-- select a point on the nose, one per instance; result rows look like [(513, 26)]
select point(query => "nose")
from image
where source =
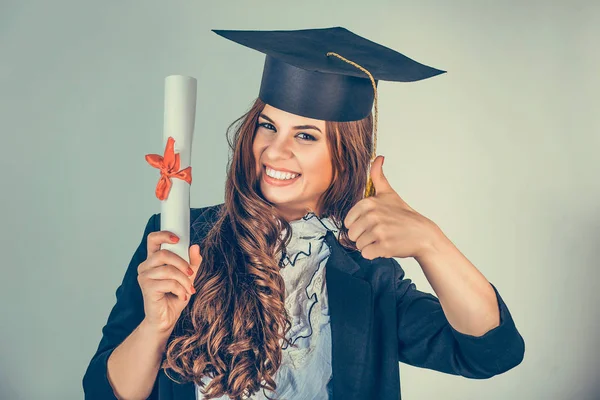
[(279, 147)]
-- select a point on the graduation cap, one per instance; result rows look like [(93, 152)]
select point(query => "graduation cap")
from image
[(328, 74)]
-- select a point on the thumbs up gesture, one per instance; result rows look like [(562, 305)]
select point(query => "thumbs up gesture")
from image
[(384, 225)]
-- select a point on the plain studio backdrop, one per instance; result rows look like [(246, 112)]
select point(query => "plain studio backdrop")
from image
[(501, 152)]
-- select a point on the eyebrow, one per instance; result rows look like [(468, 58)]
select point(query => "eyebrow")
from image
[(295, 127)]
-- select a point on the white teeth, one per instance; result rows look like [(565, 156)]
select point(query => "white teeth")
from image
[(280, 175)]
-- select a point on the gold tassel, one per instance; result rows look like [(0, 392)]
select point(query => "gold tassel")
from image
[(370, 188)]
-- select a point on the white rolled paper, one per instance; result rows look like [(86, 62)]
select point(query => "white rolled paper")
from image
[(179, 120)]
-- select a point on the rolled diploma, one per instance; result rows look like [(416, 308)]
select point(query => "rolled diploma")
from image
[(179, 119)]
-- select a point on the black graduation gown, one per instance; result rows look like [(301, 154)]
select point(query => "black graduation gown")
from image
[(378, 319)]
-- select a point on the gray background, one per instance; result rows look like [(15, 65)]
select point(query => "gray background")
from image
[(501, 152)]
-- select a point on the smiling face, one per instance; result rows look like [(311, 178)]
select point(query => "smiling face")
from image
[(291, 143)]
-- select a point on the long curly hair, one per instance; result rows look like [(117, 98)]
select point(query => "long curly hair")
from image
[(235, 325)]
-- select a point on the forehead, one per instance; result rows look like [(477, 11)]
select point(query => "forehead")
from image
[(286, 118)]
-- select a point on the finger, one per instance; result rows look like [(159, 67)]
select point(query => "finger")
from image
[(195, 260), (359, 209), (162, 257), (158, 288), (155, 239), (365, 239), (372, 251), (361, 226), (167, 272)]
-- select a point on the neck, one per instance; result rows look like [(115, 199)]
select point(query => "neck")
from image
[(294, 214)]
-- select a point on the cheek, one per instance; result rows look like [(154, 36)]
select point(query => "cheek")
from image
[(256, 146), (320, 170)]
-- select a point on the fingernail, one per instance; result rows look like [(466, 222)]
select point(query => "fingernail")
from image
[(185, 298), (190, 271), (174, 238), (193, 290)]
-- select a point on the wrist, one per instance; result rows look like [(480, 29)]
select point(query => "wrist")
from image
[(436, 241), (150, 328)]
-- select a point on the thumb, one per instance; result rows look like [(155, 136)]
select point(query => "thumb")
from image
[(379, 180), (195, 258)]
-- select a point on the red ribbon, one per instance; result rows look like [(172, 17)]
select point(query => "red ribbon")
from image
[(169, 168)]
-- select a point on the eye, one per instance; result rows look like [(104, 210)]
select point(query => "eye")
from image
[(269, 126), (312, 138), (264, 125)]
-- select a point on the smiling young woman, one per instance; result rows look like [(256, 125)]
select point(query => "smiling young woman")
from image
[(284, 301), (243, 301)]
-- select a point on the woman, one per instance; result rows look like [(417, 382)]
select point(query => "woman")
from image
[(297, 292)]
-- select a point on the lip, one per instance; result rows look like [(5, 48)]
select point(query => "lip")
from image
[(278, 182), (281, 169)]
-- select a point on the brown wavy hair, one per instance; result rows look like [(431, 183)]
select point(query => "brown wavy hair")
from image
[(235, 325)]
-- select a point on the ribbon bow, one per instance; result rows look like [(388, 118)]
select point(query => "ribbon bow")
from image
[(169, 168)]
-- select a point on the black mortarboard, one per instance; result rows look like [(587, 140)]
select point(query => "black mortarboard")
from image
[(328, 74), (299, 77)]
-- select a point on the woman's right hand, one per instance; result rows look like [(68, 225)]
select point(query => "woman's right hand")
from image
[(166, 289)]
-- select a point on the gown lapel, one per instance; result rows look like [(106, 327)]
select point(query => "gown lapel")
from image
[(185, 391), (350, 305)]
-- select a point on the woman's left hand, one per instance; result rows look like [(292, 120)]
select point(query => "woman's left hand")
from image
[(383, 225)]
